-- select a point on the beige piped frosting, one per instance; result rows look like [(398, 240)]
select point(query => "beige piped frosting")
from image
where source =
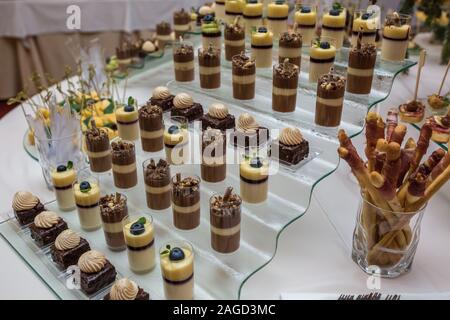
[(182, 101), (218, 111), (290, 136), (161, 92), (67, 239), (247, 123), (24, 200), (92, 261), (46, 219), (124, 289)]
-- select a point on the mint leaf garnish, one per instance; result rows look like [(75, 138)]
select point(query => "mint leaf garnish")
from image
[(142, 220), (69, 165)]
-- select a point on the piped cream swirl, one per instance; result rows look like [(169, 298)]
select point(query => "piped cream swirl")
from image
[(291, 136), (24, 200), (67, 239), (124, 289), (182, 101), (247, 123), (218, 111), (46, 219), (92, 261), (161, 92)]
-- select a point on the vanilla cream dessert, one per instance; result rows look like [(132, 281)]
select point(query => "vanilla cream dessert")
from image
[(176, 143), (177, 268), (233, 8), (322, 55), (127, 118), (366, 23), (306, 18), (253, 14), (277, 17), (254, 173), (262, 43), (87, 199), (395, 37), (219, 9), (62, 178), (333, 25), (139, 237)]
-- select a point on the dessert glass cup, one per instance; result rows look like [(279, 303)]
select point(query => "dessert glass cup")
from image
[(209, 73), (88, 206), (99, 155), (277, 24), (368, 28), (243, 81), (127, 124), (219, 9), (385, 242), (233, 46), (306, 23), (158, 192), (284, 91), (125, 175), (63, 188), (141, 248), (186, 204), (184, 70), (252, 14), (113, 228), (254, 182), (321, 64), (329, 106), (336, 32), (177, 146), (263, 55), (213, 166), (178, 276), (151, 132), (395, 38), (225, 228)]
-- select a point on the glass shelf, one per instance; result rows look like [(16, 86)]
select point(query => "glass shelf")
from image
[(222, 276)]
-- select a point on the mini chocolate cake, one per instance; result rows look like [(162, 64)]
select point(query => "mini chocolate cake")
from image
[(218, 118), (209, 67), (46, 227), (186, 202), (291, 146), (157, 179), (96, 272), (114, 213), (234, 40), (26, 207), (68, 248), (185, 107), (124, 164), (181, 21), (98, 149), (361, 63), (249, 133), (244, 77), (183, 59), (162, 97), (330, 100), (290, 46), (152, 128)]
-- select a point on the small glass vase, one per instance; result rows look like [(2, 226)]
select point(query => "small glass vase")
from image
[(385, 242)]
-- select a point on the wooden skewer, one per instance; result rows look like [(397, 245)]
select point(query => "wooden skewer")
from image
[(443, 79), (423, 55)]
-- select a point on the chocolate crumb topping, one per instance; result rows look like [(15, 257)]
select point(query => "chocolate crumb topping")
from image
[(96, 134), (188, 182), (150, 111), (366, 50), (181, 14), (184, 50), (287, 70), (112, 204), (157, 171), (222, 207), (234, 30), (331, 81), (292, 39), (122, 148), (243, 62), (210, 53)]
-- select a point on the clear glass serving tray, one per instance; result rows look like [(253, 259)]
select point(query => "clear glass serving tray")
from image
[(290, 190)]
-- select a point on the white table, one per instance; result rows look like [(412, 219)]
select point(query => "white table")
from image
[(311, 255)]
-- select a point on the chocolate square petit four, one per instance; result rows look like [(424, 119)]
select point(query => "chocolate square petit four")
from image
[(26, 207), (249, 133), (96, 271), (292, 147), (68, 248), (46, 227), (126, 289), (218, 117), (184, 106), (162, 97)]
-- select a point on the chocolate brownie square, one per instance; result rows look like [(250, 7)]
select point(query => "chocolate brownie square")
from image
[(291, 155), (27, 216), (141, 295), (192, 113), (43, 237), (66, 258), (93, 282), (222, 124), (165, 104)]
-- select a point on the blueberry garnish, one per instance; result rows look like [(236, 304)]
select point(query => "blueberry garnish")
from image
[(262, 29), (256, 162), (325, 45), (85, 186), (61, 168), (279, 1), (173, 129), (305, 10), (137, 228), (176, 254), (365, 16), (335, 12), (253, 1), (128, 108), (208, 18)]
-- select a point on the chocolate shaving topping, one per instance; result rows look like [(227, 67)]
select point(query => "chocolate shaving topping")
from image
[(221, 207), (181, 14), (122, 148), (157, 171), (287, 70), (331, 81), (210, 53), (112, 204), (96, 134), (234, 29), (149, 111), (184, 50), (291, 37), (186, 186), (366, 50), (242, 61)]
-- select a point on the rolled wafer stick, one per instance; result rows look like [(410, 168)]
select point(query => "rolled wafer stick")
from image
[(391, 123), (398, 134), (372, 134), (422, 145)]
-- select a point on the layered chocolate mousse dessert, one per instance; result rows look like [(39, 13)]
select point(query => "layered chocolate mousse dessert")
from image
[(253, 14), (114, 213), (412, 112), (124, 164), (290, 47), (152, 128), (186, 201), (123, 54), (157, 184), (176, 142), (291, 147), (322, 55), (184, 106), (225, 218), (177, 269), (162, 97), (219, 9), (46, 227), (244, 77), (26, 207), (211, 33), (214, 146), (330, 100), (62, 178), (181, 22), (361, 64), (277, 17), (234, 39), (306, 18), (209, 67), (98, 149), (126, 289), (284, 89), (333, 24), (127, 121), (139, 236), (248, 133), (395, 37), (163, 34), (218, 117), (254, 173), (262, 43), (96, 272), (366, 24), (68, 248), (87, 198), (233, 9), (183, 61)]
